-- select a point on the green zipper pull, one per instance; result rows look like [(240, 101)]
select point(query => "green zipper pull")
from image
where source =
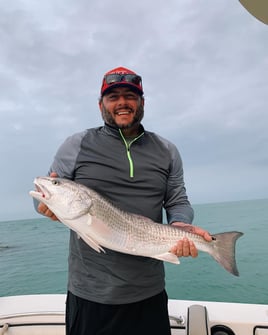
[(128, 145), (131, 166)]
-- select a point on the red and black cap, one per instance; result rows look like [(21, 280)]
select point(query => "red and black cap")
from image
[(121, 77)]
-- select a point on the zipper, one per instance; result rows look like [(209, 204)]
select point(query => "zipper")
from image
[(128, 145)]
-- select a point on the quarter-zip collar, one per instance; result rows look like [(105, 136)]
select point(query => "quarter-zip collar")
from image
[(115, 131)]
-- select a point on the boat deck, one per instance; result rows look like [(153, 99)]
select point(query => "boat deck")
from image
[(45, 314)]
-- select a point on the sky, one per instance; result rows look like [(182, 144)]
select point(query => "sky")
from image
[(204, 65)]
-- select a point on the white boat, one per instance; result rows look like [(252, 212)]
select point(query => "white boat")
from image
[(44, 314)]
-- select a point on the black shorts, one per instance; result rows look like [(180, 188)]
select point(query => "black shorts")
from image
[(149, 316)]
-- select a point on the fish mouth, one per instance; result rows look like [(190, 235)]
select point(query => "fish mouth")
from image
[(40, 192)]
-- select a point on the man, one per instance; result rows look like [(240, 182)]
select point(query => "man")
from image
[(140, 172)]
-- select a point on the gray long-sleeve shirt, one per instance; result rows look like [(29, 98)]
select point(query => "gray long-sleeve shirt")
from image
[(141, 176)]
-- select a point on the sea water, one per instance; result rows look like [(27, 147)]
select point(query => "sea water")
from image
[(34, 254)]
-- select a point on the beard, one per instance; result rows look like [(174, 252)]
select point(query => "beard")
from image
[(110, 120)]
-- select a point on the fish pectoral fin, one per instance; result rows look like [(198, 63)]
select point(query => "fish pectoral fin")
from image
[(89, 219), (92, 243), (168, 257)]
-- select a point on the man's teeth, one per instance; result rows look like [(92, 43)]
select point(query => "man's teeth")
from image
[(123, 113)]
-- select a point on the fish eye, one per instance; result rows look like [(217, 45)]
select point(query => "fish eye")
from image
[(55, 182)]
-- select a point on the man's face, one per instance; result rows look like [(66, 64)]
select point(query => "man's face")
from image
[(122, 107)]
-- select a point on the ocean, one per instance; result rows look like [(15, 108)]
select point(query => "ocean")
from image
[(34, 252)]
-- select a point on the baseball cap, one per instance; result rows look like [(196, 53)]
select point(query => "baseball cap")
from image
[(121, 77)]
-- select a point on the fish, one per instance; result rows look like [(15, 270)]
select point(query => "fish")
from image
[(105, 226)]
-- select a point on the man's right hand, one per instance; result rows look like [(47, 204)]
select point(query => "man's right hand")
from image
[(43, 209)]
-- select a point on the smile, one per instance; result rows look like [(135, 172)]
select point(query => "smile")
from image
[(124, 112)]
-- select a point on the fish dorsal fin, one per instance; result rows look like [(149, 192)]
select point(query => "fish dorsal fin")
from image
[(167, 257)]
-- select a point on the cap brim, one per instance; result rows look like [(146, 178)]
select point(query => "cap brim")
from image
[(131, 87)]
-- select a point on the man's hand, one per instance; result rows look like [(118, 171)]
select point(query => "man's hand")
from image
[(43, 209), (184, 247)]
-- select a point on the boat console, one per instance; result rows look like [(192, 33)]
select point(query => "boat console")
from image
[(217, 318)]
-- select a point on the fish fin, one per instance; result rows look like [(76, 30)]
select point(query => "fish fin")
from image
[(85, 222), (87, 238), (92, 243), (168, 257), (223, 250)]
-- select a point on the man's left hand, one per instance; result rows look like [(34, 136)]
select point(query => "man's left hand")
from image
[(186, 247)]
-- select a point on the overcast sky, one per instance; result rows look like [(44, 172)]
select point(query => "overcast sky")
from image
[(204, 65)]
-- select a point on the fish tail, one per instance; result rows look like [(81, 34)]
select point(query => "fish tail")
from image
[(223, 250)]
